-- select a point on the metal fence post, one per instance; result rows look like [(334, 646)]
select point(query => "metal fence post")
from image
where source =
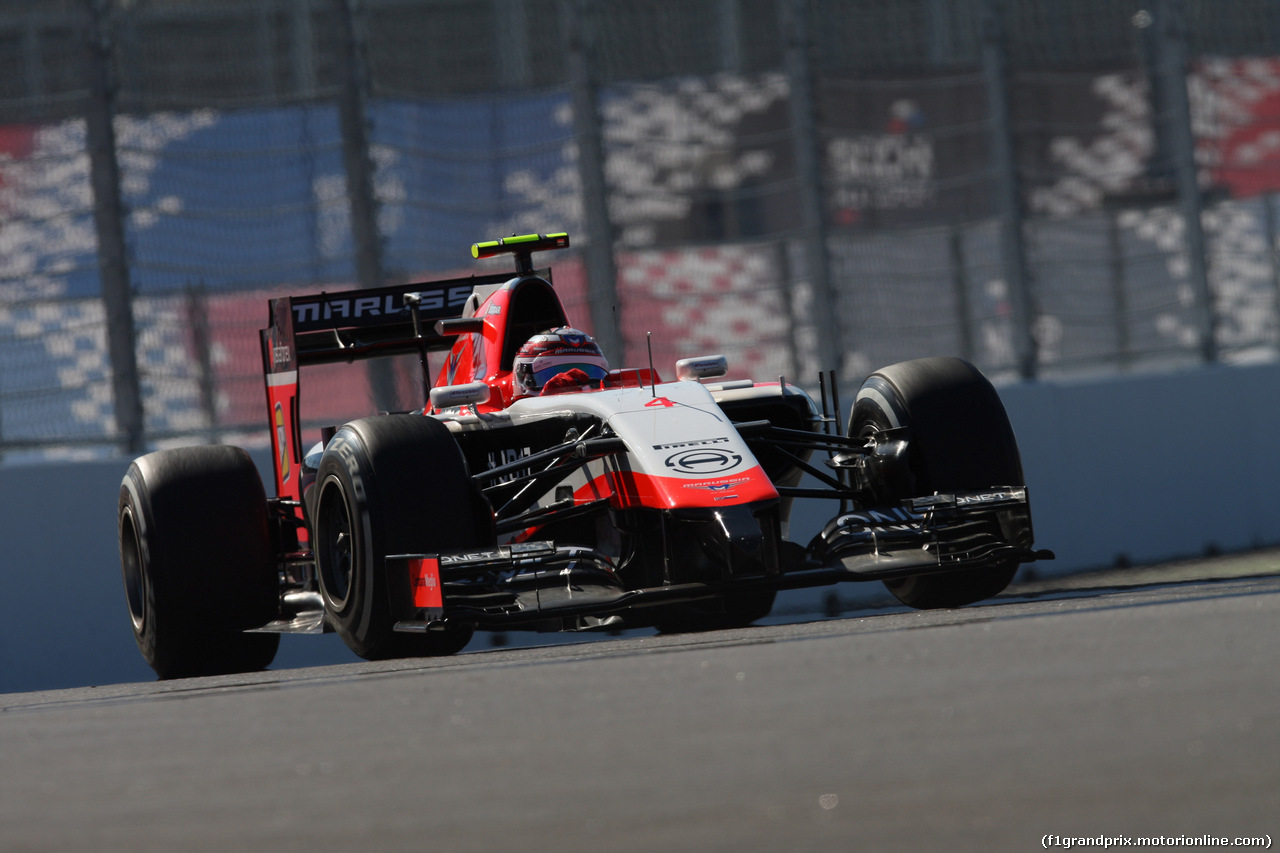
[(578, 19), (359, 168), (108, 220), (196, 301), (729, 31), (1119, 293), (1171, 38), (794, 20), (960, 286), (782, 255), (1008, 191), (301, 56), (1273, 252), (513, 60)]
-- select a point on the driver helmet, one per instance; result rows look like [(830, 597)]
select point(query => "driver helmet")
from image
[(550, 353)]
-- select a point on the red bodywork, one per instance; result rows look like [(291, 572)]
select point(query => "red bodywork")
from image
[(511, 314)]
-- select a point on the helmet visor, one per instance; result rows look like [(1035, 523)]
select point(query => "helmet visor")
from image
[(541, 373)]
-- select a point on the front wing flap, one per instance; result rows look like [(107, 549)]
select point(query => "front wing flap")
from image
[(530, 584), (500, 584), (934, 533)]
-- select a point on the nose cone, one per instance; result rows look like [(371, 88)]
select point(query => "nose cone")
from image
[(739, 540)]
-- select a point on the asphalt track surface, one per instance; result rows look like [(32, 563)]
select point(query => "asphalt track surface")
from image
[(1066, 709)]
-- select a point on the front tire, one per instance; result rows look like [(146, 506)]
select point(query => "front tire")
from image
[(394, 484), (960, 438), (197, 562)]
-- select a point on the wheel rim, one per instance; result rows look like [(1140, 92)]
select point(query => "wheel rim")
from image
[(336, 558), (135, 576)]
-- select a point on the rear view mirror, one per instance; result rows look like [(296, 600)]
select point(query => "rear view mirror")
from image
[(702, 367), (449, 396)]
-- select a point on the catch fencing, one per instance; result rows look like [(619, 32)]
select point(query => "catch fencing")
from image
[(1043, 188)]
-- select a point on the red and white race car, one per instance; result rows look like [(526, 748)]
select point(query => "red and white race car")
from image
[(539, 489)]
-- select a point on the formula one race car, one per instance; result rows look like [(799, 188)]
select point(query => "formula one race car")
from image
[(537, 489)]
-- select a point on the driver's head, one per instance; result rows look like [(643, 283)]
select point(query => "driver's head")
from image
[(553, 352)]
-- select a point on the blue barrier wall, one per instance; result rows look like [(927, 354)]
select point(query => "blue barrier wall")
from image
[(1151, 468), (1144, 468)]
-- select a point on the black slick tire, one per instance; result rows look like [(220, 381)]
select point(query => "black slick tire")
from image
[(393, 484), (960, 438), (196, 556)]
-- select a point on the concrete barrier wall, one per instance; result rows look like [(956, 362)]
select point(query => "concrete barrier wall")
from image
[(1140, 468), (1151, 468)]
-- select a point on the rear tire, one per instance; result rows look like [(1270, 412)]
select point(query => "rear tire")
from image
[(393, 484), (960, 438), (196, 556)]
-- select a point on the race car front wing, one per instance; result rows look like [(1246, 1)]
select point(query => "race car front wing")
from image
[(942, 532), (554, 587)]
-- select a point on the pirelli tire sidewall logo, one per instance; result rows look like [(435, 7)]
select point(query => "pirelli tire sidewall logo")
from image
[(343, 465), (703, 461)]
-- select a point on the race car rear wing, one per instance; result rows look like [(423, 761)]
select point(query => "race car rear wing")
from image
[(355, 324), (351, 325)]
